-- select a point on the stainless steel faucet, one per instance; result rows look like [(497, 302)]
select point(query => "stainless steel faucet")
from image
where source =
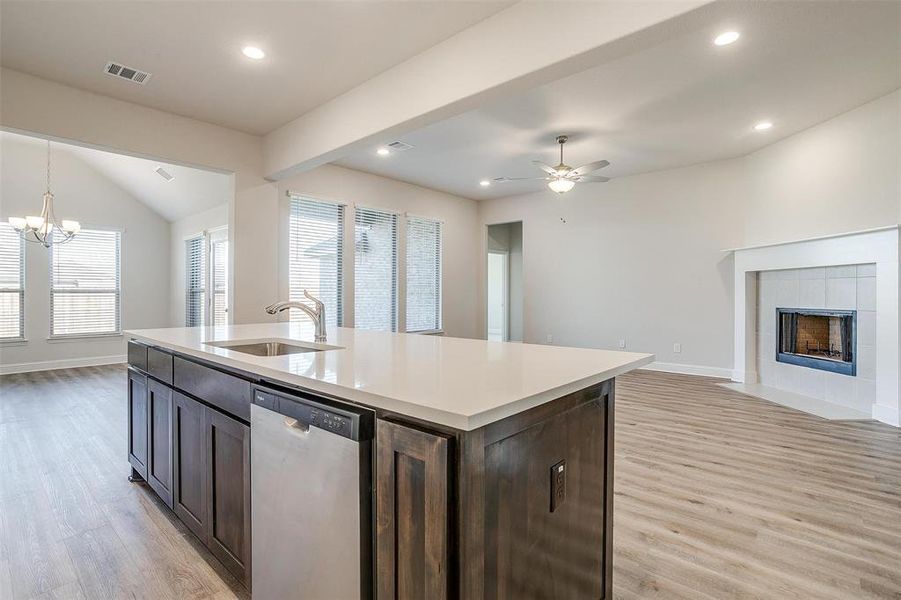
[(317, 313)]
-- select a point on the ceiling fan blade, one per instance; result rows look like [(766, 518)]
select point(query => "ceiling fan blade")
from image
[(546, 168), (592, 179), (506, 179), (590, 167)]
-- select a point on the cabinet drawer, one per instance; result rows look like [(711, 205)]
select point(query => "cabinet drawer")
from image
[(137, 355), (226, 392), (159, 364)]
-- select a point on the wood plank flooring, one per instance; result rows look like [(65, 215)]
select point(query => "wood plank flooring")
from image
[(718, 495)]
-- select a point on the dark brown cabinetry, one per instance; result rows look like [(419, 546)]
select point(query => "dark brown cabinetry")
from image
[(137, 422), (412, 535), (159, 439), (227, 446), (190, 461), (212, 480), (192, 454), (520, 508)]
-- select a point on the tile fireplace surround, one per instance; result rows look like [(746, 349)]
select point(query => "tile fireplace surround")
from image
[(855, 271)]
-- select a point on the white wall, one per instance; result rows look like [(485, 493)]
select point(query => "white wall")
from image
[(84, 195), (179, 231), (640, 258), (460, 250)]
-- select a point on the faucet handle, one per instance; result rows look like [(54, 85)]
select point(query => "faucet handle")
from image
[(319, 304)]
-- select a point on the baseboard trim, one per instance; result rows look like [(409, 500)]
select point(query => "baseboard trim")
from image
[(689, 369), (66, 363), (887, 414)]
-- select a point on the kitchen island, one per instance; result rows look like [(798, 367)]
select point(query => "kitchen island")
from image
[(486, 468)]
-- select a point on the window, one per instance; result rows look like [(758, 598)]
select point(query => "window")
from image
[(315, 261), (219, 277), (195, 280), (423, 274), (12, 284), (375, 269), (85, 287)]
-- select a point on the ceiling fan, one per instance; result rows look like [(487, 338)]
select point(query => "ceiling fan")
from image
[(562, 178)]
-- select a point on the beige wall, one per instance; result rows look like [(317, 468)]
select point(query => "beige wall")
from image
[(641, 258), (31, 104), (87, 196), (460, 242)]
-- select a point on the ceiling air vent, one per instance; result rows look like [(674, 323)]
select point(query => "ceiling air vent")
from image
[(399, 146), (164, 174), (117, 70)]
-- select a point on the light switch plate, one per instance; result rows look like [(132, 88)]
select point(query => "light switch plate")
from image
[(558, 485)]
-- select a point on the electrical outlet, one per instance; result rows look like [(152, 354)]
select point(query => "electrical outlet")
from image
[(558, 485), (550, 338), (622, 344), (677, 347)]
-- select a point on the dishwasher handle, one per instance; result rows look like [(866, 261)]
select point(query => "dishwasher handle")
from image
[(302, 412)]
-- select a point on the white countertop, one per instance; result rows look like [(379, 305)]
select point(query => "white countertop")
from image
[(456, 382)]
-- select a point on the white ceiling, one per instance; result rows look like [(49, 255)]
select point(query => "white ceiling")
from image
[(682, 102), (192, 191), (315, 50)]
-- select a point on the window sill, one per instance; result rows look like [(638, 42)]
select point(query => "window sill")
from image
[(13, 342), (78, 337), (428, 332)]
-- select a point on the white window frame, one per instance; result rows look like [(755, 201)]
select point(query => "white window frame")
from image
[(118, 291), (21, 290), (344, 298), (439, 279), (395, 266), (208, 237)]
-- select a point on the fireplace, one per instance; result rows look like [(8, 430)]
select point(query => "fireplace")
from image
[(818, 339)]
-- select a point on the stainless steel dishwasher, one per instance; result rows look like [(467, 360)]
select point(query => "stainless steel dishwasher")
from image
[(311, 505)]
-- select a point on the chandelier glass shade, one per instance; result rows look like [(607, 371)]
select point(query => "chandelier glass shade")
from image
[(45, 229)]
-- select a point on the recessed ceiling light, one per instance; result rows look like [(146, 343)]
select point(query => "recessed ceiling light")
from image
[(726, 38), (253, 52), (383, 151), (484, 183), (763, 126)]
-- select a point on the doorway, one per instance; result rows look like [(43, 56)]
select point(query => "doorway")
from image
[(503, 299), (498, 317)]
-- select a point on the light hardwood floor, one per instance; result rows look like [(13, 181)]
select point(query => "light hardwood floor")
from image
[(718, 495)]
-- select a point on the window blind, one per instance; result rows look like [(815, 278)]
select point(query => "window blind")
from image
[(423, 274), (12, 284), (195, 280), (219, 288), (85, 285), (315, 255), (375, 269)]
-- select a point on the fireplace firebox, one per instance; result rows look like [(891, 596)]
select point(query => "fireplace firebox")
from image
[(818, 339)]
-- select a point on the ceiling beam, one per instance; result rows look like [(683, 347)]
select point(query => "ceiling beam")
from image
[(526, 45)]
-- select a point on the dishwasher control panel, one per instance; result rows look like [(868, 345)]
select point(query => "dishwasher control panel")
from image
[(350, 422)]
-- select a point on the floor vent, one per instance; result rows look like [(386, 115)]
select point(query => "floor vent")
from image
[(134, 75)]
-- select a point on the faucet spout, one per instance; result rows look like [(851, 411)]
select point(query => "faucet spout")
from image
[(316, 313)]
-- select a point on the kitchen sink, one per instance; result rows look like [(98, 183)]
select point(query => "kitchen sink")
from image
[(272, 347)]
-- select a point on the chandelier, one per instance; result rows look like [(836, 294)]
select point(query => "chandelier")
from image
[(41, 229)]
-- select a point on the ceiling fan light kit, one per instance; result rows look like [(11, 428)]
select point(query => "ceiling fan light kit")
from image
[(563, 178)]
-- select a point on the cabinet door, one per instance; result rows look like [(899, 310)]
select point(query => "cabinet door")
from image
[(137, 421), (189, 481), (159, 439), (228, 488), (412, 471)]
